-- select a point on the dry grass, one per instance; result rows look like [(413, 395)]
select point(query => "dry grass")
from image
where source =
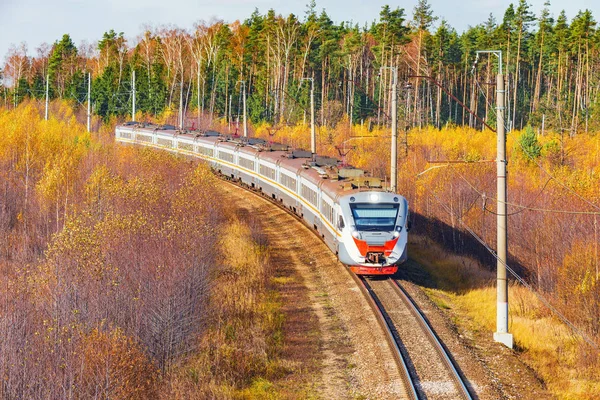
[(239, 353), (569, 367), (451, 272)]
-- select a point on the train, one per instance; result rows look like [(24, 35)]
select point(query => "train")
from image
[(365, 225)]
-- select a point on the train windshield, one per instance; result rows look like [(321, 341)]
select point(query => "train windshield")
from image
[(374, 217)]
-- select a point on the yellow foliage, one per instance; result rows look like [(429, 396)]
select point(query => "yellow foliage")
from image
[(580, 271)]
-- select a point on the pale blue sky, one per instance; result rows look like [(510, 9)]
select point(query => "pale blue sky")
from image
[(39, 21)]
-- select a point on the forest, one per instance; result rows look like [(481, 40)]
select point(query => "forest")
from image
[(56, 175), (551, 66), (121, 271)]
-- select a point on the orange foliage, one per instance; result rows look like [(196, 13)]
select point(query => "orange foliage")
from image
[(540, 238), (114, 367), (93, 234)]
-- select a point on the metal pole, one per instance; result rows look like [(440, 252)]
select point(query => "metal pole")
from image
[(181, 104), (47, 89), (198, 84), (394, 151), (133, 95), (313, 131), (89, 102), (244, 102), (501, 335)]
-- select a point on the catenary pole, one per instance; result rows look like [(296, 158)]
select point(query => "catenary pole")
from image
[(394, 149), (313, 131), (181, 104), (47, 89), (133, 95), (501, 335), (245, 117), (89, 102)]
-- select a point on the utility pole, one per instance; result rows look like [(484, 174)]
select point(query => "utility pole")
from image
[(407, 88), (133, 95), (501, 335), (244, 102), (181, 103), (313, 131), (89, 102), (198, 84), (394, 150), (47, 90)]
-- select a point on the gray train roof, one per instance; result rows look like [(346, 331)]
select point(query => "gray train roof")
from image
[(328, 173)]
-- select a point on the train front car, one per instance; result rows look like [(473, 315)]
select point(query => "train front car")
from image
[(375, 232)]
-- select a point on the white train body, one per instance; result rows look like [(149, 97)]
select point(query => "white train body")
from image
[(364, 225)]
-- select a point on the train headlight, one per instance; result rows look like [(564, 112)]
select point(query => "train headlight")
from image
[(374, 197), (397, 231), (354, 232)]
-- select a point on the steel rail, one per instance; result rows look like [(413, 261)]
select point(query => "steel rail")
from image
[(378, 310), (366, 291), (434, 340), (361, 283)]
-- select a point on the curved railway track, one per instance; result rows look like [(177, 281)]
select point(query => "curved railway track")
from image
[(417, 357), (427, 364), (388, 328), (438, 379)]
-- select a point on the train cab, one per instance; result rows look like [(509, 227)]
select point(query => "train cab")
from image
[(375, 233)]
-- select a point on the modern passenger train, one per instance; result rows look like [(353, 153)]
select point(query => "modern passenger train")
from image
[(365, 225)]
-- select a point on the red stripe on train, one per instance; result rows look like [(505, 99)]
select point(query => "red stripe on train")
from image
[(361, 270), (364, 248)]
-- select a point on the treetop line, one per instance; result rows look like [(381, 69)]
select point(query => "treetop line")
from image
[(551, 68)]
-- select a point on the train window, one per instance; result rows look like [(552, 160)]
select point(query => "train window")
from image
[(186, 146), (249, 164), (309, 194), (287, 181), (164, 142), (205, 151), (267, 171), (225, 156), (143, 138), (374, 217), (341, 224), (327, 211)]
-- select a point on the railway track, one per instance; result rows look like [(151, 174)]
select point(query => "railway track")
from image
[(392, 340), (423, 377), (428, 381), (428, 369)]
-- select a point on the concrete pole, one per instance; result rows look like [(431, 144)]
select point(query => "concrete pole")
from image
[(133, 95), (394, 150), (198, 84), (244, 102), (181, 104), (501, 335), (89, 102), (47, 89), (313, 131)]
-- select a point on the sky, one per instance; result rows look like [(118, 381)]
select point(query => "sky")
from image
[(45, 21)]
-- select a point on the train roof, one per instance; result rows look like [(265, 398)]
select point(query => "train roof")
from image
[(328, 173)]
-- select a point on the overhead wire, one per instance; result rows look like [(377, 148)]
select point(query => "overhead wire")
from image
[(527, 153), (521, 280), (521, 206), (528, 207)]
